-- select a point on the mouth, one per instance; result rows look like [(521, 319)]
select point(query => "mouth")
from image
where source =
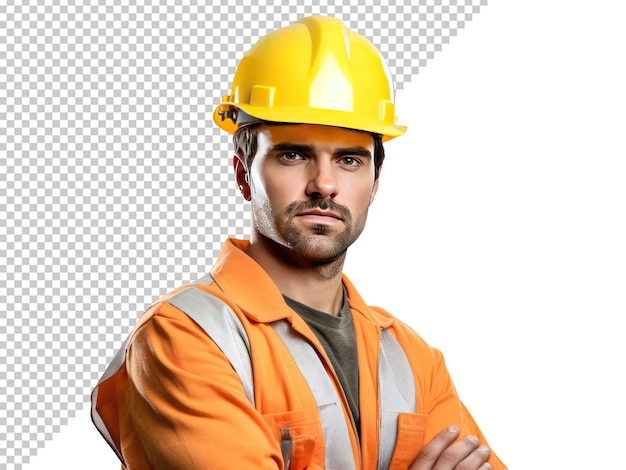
[(320, 216)]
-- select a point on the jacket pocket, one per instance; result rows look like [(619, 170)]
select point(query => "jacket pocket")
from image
[(300, 436), (411, 428)]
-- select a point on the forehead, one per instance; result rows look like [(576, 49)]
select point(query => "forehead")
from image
[(315, 135)]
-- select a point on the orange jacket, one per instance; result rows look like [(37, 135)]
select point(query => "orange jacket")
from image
[(172, 400)]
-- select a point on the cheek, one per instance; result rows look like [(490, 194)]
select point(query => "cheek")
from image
[(362, 193), (281, 189), (267, 199)]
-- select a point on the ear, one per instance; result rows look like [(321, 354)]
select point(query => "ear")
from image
[(241, 174)]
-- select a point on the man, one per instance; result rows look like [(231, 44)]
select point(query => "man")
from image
[(273, 360)]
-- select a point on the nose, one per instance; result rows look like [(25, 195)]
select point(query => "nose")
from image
[(322, 180)]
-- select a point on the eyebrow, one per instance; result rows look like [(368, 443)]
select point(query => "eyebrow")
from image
[(285, 146)]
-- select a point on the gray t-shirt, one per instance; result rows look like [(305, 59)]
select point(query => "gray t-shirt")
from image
[(339, 341)]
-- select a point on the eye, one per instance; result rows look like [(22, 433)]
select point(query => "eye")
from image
[(290, 156), (350, 162)]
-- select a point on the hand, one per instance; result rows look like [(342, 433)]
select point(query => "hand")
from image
[(443, 454)]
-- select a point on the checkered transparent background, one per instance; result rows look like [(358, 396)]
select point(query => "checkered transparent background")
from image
[(115, 186)]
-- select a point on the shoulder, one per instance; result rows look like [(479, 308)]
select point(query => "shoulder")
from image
[(190, 328), (184, 309)]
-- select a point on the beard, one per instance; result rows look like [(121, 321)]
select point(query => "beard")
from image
[(312, 244)]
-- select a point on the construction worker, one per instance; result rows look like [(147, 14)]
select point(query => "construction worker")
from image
[(273, 360)]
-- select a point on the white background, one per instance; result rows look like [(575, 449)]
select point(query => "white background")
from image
[(498, 233)]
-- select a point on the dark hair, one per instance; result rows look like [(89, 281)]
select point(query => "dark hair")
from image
[(245, 142)]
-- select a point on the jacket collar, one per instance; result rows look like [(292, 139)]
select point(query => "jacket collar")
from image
[(357, 304), (246, 283)]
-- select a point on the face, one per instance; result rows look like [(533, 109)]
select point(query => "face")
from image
[(310, 188)]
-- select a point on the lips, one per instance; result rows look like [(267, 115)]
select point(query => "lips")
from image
[(321, 213)]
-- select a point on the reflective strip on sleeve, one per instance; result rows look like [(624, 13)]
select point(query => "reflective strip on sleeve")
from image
[(224, 327), (114, 367), (217, 320), (336, 435)]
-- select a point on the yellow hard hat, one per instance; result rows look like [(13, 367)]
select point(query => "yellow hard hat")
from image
[(315, 71)]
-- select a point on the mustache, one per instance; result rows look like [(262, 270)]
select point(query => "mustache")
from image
[(322, 204)]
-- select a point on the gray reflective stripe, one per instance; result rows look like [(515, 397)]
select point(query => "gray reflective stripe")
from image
[(396, 393), (219, 321), (336, 434), (206, 280), (115, 365)]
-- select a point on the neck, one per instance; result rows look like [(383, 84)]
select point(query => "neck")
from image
[(312, 283)]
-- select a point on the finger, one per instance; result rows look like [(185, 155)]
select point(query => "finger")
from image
[(466, 454), (431, 452), (477, 459)]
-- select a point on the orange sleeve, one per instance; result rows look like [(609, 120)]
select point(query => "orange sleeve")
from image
[(446, 408), (437, 398), (184, 406)]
